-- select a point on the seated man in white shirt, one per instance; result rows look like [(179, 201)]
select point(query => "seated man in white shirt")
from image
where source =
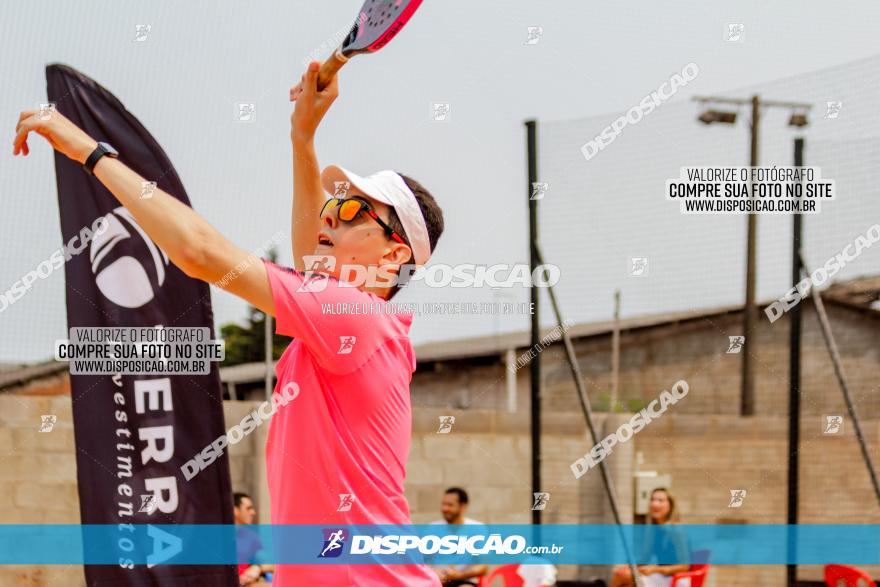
[(453, 508)]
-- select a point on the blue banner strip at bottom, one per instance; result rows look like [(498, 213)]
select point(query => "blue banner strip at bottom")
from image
[(764, 544)]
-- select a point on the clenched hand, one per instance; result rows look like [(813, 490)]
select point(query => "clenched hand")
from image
[(311, 105)]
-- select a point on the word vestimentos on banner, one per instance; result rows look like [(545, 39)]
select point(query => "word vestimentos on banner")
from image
[(248, 424), (55, 261), (629, 429), (822, 274), (635, 114)]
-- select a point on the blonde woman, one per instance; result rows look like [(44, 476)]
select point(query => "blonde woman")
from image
[(662, 545)]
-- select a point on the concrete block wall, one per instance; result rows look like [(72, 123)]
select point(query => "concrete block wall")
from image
[(37, 480), (38, 475), (488, 453), (707, 456), (652, 359), (37, 469)]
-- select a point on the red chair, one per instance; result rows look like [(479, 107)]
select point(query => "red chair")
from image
[(843, 576), (696, 574), (507, 572)]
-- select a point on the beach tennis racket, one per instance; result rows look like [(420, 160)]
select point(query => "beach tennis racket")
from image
[(377, 23)]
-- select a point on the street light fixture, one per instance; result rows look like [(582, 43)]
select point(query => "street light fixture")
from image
[(798, 119), (721, 116)]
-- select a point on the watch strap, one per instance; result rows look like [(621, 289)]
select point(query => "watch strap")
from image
[(93, 159)]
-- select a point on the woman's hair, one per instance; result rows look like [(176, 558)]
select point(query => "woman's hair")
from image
[(671, 514)]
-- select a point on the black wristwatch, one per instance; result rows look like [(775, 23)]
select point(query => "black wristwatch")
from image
[(101, 150)]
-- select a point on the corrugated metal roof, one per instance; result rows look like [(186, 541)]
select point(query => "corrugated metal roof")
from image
[(29, 373), (857, 294), (492, 345)]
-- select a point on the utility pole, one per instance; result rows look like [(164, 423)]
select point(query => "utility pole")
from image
[(747, 397), (750, 311)]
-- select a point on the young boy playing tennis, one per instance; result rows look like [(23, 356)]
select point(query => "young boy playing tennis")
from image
[(337, 455)]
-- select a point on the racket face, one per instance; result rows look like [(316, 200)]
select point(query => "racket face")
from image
[(377, 23)]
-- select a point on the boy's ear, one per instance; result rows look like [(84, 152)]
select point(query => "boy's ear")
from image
[(398, 254)]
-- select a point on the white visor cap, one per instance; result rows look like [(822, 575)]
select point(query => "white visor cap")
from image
[(389, 188)]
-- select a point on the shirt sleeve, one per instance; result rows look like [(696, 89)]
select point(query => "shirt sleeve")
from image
[(339, 324)]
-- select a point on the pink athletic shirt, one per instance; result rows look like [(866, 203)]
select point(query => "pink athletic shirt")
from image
[(348, 431)]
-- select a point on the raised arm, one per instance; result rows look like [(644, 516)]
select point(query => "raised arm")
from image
[(308, 194), (191, 243)]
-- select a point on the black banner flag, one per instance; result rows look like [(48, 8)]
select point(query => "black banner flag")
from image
[(134, 432)]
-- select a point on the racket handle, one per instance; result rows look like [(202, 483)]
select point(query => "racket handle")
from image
[(329, 68)]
